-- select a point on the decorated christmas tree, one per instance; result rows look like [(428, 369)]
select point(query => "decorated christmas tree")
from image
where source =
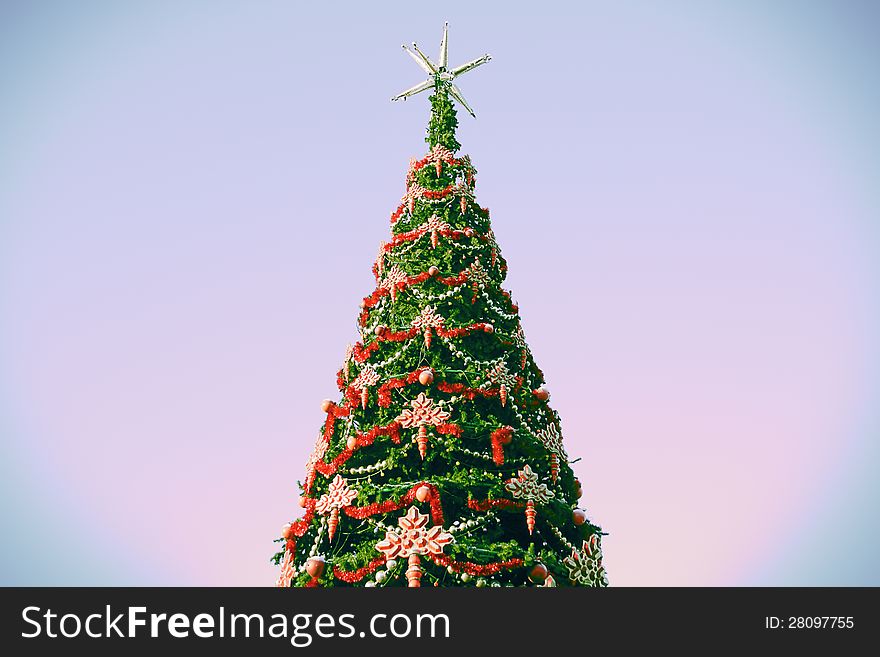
[(442, 463)]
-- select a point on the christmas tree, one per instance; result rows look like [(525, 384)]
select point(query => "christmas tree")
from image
[(442, 463)]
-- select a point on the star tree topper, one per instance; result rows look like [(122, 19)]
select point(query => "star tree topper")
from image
[(439, 74)]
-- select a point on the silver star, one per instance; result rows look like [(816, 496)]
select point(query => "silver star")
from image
[(438, 74)]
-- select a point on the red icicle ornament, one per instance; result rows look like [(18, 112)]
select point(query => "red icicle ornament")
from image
[(423, 441), (413, 572), (531, 514)]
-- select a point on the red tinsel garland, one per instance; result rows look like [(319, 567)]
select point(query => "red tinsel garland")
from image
[(463, 330), (361, 512), (360, 573), (362, 440), (299, 527), (463, 390), (384, 392), (476, 568), (485, 505), (370, 301), (449, 429), (499, 438), (416, 233)]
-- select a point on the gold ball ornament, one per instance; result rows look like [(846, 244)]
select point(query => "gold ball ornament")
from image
[(379, 330), (433, 271), (287, 531), (303, 501), (426, 377), (326, 405), (489, 329), (352, 442), (541, 393), (423, 493), (578, 517)]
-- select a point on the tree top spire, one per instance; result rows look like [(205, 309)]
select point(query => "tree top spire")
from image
[(441, 79)]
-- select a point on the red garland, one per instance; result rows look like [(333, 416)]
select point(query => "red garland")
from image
[(485, 505), (362, 353), (396, 214), (362, 440), (340, 381), (470, 393), (299, 527), (500, 437), (399, 336), (416, 233), (384, 391), (438, 194), (360, 573), (463, 330), (449, 429), (361, 512), (476, 568), (428, 158), (378, 293)]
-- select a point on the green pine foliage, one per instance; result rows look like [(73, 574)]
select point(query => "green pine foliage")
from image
[(441, 127), (460, 467)]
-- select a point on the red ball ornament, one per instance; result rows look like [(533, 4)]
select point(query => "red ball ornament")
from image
[(326, 405), (352, 442), (541, 393), (538, 574), (433, 271), (426, 377), (580, 493), (489, 328), (423, 493), (469, 231), (287, 531), (379, 330), (578, 517), (315, 566)]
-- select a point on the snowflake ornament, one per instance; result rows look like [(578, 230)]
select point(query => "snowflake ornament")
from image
[(519, 341), (394, 276), (500, 376), (422, 414), (438, 155), (414, 191), (367, 377), (552, 441), (349, 356), (526, 486), (585, 565), (288, 571), (478, 278), (315, 457), (338, 496), (426, 320), (380, 258), (413, 540), (434, 225)]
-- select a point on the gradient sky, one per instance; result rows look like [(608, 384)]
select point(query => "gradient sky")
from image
[(192, 194)]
